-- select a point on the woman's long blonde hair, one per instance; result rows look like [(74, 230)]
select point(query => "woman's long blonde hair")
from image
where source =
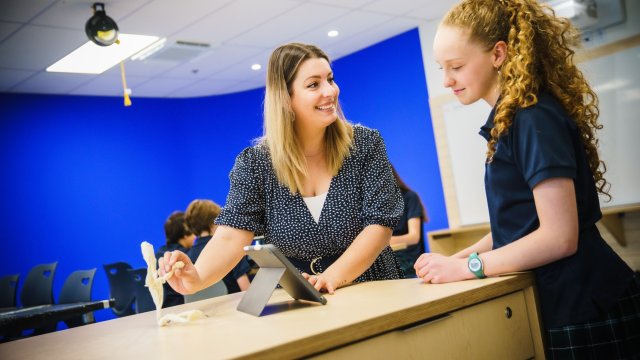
[(279, 136), (539, 57)]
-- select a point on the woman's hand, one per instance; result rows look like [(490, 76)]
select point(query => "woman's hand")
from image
[(185, 280), (324, 282), (436, 269)]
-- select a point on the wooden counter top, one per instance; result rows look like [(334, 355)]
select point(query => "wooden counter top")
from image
[(351, 314)]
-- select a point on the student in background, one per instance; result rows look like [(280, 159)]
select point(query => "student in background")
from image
[(409, 229), (318, 188), (178, 237), (543, 175), (199, 217)]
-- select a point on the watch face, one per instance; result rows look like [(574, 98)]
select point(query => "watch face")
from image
[(474, 264)]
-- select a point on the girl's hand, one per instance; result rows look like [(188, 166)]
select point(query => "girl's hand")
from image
[(435, 268)]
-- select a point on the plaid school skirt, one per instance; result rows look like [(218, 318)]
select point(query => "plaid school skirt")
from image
[(615, 336)]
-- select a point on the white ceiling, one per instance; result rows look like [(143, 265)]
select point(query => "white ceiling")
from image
[(36, 33)]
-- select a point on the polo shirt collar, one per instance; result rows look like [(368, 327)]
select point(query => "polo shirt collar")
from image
[(485, 130)]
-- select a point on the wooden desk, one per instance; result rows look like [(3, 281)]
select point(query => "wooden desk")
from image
[(472, 324), (450, 241), (612, 220)]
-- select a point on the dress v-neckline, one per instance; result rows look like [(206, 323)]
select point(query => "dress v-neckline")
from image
[(324, 204)]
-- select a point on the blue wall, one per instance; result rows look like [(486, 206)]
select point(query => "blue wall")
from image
[(84, 180), (384, 87)]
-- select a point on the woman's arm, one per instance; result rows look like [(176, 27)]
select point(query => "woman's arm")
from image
[(555, 238), (218, 257), (412, 237), (358, 257)]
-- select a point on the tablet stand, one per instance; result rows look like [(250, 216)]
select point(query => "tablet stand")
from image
[(260, 290)]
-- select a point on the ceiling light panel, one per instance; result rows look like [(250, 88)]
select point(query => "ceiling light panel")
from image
[(93, 59)]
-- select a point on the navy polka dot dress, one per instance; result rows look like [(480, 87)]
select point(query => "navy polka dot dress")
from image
[(364, 192)]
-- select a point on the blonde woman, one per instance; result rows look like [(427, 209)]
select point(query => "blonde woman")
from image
[(318, 188), (543, 175)]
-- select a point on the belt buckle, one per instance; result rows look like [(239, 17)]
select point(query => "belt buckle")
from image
[(311, 266)]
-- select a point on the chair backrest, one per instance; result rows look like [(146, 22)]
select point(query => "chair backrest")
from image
[(38, 286), (121, 287), (217, 289), (77, 288), (144, 301), (8, 287)]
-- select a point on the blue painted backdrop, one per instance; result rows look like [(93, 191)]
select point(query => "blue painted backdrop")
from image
[(84, 180)]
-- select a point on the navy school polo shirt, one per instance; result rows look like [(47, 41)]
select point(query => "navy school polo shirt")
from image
[(544, 143), (412, 209)]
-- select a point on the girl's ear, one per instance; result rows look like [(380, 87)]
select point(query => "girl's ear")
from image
[(499, 54)]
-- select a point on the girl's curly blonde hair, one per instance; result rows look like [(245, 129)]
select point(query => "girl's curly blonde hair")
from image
[(539, 57)]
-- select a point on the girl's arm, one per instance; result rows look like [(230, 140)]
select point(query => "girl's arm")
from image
[(555, 238)]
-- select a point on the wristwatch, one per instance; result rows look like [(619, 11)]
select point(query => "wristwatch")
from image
[(475, 265)]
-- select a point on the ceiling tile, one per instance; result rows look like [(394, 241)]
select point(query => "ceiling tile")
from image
[(226, 24), (159, 87), (242, 70), (22, 10), (107, 85), (52, 83), (433, 11), (374, 35), (289, 25), (7, 29), (351, 24), (396, 7), (74, 14), (352, 4), (37, 47), (216, 61), (204, 87), (145, 68), (243, 86), (146, 20), (11, 77)]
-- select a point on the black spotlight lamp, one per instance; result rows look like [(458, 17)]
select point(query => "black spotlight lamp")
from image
[(100, 28)]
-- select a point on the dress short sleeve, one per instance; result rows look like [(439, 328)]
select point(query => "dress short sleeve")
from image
[(245, 205), (542, 145), (382, 200)]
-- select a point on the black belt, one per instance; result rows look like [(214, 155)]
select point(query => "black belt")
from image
[(315, 266)]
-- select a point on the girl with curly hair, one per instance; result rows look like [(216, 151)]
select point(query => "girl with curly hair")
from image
[(542, 175)]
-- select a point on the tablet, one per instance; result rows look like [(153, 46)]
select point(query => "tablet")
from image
[(268, 256)]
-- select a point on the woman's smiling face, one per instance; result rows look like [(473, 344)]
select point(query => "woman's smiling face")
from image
[(314, 94)]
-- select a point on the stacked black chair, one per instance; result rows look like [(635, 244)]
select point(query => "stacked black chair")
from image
[(38, 286), (121, 288), (143, 301), (38, 290), (8, 291), (77, 288)]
